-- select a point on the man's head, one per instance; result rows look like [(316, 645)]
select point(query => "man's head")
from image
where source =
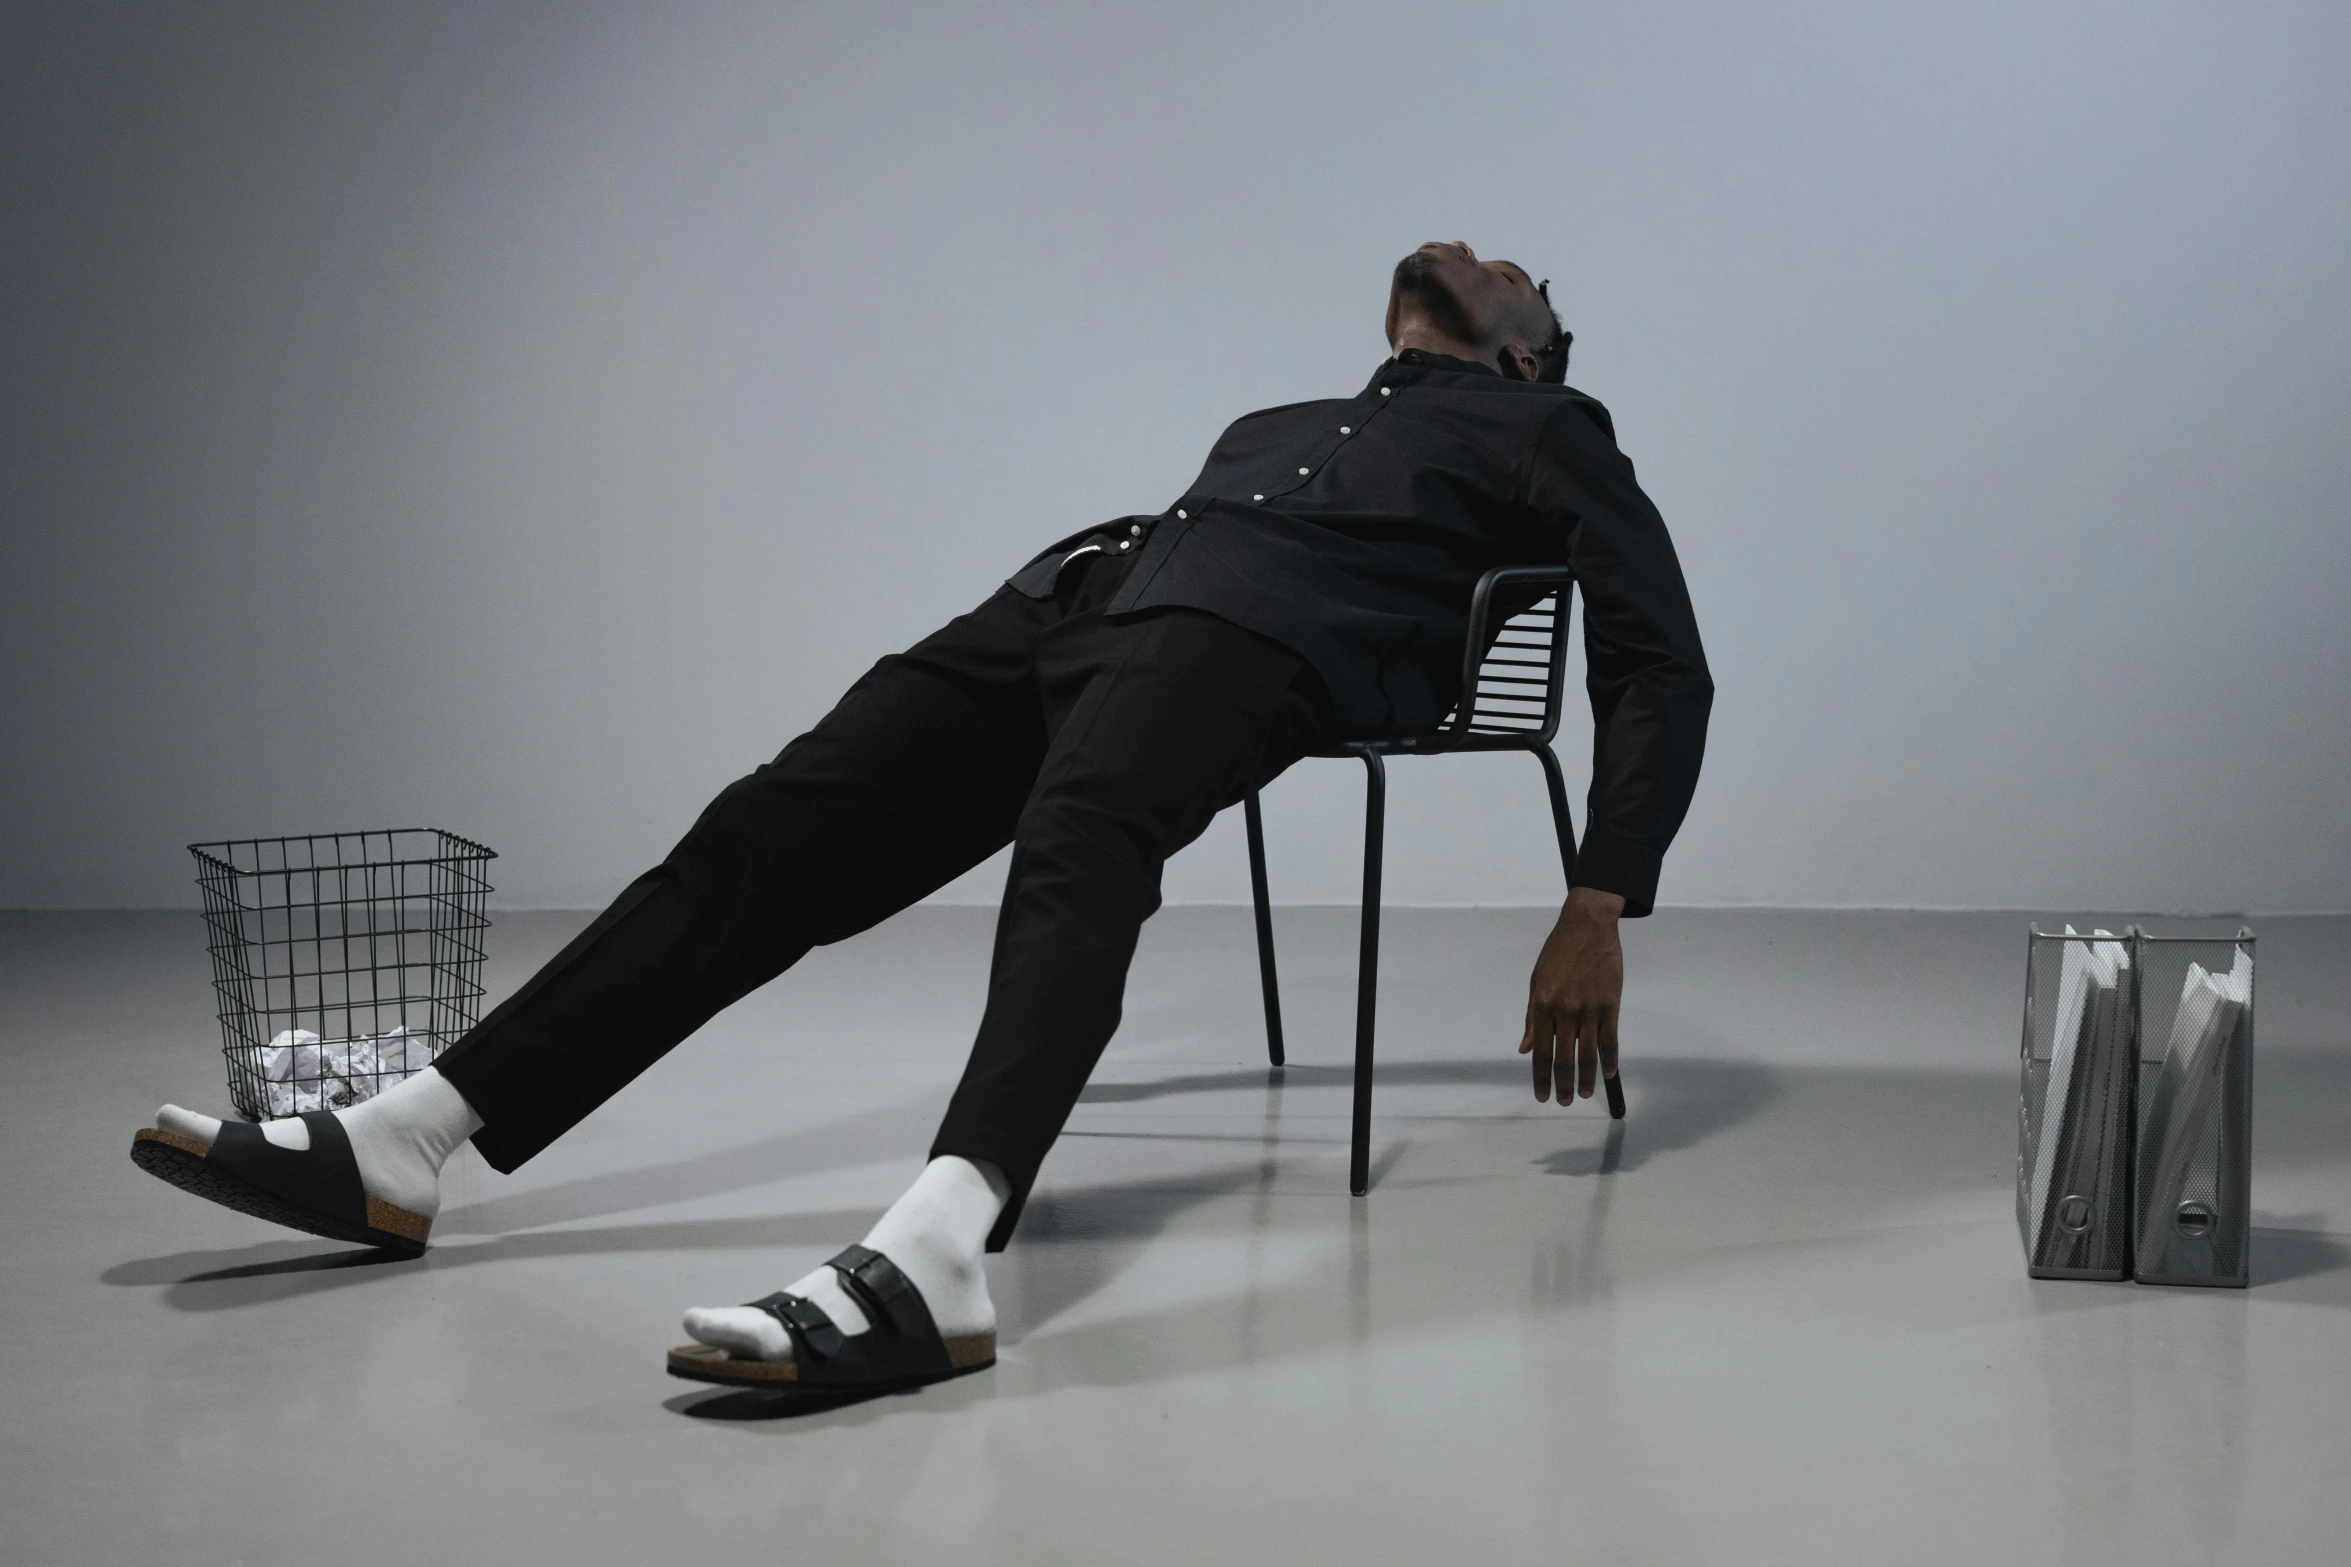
[(1446, 301)]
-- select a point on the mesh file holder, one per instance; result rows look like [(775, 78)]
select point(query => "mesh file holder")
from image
[(2192, 1177), (2074, 1105), (342, 962)]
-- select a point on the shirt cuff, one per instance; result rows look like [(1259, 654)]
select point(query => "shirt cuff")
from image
[(1608, 864)]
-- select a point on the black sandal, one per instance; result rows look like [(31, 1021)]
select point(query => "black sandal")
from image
[(902, 1349), (315, 1189)]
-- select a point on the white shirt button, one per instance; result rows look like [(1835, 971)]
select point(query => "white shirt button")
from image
[(1303, 471), (1257, 497), (1136, 529), (1383, 391), (1343, 430), (1182, 516), (1126, 544)]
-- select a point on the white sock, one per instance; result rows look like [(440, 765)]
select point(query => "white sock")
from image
[(400, 1138), (937, 1235)]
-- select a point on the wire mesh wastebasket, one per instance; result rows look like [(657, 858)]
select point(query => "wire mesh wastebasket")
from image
[(343, 962), (2193, 1182), (2074, 1104)]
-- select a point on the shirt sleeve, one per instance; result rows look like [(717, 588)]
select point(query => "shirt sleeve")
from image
[(1644, 668)]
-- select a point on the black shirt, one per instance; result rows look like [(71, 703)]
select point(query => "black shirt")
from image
[(1353, 530)]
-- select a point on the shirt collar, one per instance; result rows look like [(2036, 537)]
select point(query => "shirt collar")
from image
[(1423, 359)]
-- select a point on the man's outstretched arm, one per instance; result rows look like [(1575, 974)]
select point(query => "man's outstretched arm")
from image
[(1645, 672)]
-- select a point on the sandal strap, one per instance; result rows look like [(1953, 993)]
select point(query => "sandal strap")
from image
[(887, 1294), (912, 1346), (323, 1178), (816, 1339)]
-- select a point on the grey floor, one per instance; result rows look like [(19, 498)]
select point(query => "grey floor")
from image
[(1780, 1317)]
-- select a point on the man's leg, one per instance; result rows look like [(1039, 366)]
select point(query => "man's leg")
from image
[(1157, 724), (918, 774), (913, 778)]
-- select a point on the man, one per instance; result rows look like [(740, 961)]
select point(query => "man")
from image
[(1095, 713)]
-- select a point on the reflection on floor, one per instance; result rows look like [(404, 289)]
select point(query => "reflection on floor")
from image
[(1777, 1315)]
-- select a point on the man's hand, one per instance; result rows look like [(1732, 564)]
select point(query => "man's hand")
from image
[(1573, 998)]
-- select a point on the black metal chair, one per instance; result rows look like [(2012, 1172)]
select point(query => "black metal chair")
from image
[(1513, 684)]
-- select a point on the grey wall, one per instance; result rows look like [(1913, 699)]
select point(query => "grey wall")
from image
[(524, 419)]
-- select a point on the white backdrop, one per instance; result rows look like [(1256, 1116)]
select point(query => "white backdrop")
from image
[(524, 419)]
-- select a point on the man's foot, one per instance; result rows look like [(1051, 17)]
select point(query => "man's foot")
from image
[(901, 1348), (399, 1140), (935, 1236)]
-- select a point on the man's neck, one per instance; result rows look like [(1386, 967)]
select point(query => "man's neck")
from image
[(1429, 340)]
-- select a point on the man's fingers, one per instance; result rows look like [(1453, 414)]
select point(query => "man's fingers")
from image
[(1563, 1070), (1563, 1061), (1573, 1048)]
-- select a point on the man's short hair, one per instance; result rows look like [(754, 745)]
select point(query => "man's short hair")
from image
[(1551, 355)]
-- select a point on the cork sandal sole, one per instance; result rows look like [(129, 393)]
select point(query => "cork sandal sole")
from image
[(704, 1363), (189, 1165)]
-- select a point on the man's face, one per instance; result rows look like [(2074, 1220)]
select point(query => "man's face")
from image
[(1487, 303)]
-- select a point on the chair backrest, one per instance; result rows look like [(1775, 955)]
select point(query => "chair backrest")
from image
[(1514, 674)]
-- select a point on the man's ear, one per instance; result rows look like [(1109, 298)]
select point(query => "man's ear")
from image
[(1517, 364)]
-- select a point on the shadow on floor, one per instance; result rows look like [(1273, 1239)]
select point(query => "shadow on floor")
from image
[(1301, 1075), (743, 1403), (1676, 1105), (1095, 1233), (856, 1139), (1671, 1104), (860, 1139), (2285, 1256), (756, 1410), (206, 1281), (247, 1262)]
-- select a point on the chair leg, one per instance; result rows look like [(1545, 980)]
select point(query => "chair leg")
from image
[(1560, 821), (1367, 971), (1265, 970)]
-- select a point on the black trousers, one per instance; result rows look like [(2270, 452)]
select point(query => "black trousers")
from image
[(1097, 748)]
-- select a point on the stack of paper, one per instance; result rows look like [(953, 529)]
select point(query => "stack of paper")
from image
[(300, 1072), (2080, 1131), (2179, 1110)]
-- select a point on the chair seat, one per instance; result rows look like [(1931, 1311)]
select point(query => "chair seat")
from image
[(1438, 744)]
